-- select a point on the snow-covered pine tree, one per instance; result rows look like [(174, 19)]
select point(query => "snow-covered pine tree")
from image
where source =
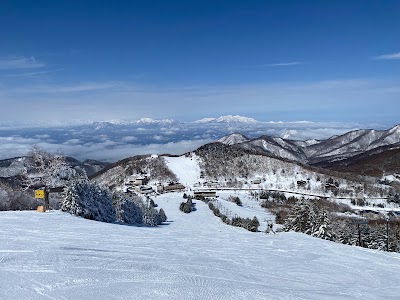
[(150, 216), (301, 217), (88, 200), (344, 232), (253, 225), (129, 209), (323, 228), (377, 238), (162, 215)]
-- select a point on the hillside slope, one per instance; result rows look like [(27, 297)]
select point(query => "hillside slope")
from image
[(194, 256), (370, 163), (235, 167)]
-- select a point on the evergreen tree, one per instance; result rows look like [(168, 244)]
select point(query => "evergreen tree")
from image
[(323, 227), (128, 209), (253, 225), (88, 200), (301, 217), (377, 238), (345, 232), (186, 207), (150, 217), (163, 216)]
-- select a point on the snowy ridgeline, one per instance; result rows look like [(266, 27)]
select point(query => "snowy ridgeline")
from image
[(316, 151), (196, 256)]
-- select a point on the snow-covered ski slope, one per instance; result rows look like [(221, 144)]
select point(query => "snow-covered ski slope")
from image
[(186, 168), (194, 256), (250, 208)]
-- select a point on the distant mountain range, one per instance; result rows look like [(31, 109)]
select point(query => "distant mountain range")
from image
[(116, 139), (336, 152)]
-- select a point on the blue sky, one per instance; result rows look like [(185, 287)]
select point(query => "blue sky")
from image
[(67, 61)]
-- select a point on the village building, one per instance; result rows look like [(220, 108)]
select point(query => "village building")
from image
[(145, 190), (205, 194), (137, 180), (173, 187), (256, 181)]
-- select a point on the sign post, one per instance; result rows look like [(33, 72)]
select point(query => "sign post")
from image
[(43, 194), (39, 194)]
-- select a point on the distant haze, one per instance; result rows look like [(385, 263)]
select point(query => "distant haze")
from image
[(110, 141)]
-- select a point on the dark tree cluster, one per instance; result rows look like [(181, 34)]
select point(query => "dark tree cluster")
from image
[(394, 198), (310, 217), (247, 223), (236, 200), (270, 195), (89, 200), (307, 218), (235, 161), (188, 206)]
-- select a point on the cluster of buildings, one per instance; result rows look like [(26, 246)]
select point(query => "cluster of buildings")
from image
[(139, 184)]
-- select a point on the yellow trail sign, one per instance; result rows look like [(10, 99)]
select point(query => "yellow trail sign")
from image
[(39, 194)]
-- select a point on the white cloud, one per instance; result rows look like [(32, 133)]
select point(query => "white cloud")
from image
[(91, 86), (76, 88), (20, 63), (112, 146), (105, 151), (129, 138), (73, 142), (158, 137), (28, 74), (169, 132), (42, 136), (389, 56), (286, 64)]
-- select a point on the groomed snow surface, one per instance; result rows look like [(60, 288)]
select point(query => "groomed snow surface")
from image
[(186, 168), (55, 255)]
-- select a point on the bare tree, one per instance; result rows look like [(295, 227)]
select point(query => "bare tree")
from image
[(50, 169)]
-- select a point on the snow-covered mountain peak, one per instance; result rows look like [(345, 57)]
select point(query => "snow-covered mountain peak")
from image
[(234, 138), (205, 120), (287, 134), (228, 119), (235, 119), (143, 121), (103, 125), (154, 121), (395, 129), (115, 122)]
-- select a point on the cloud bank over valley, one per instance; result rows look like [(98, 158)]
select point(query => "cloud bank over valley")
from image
[(114, 140)]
